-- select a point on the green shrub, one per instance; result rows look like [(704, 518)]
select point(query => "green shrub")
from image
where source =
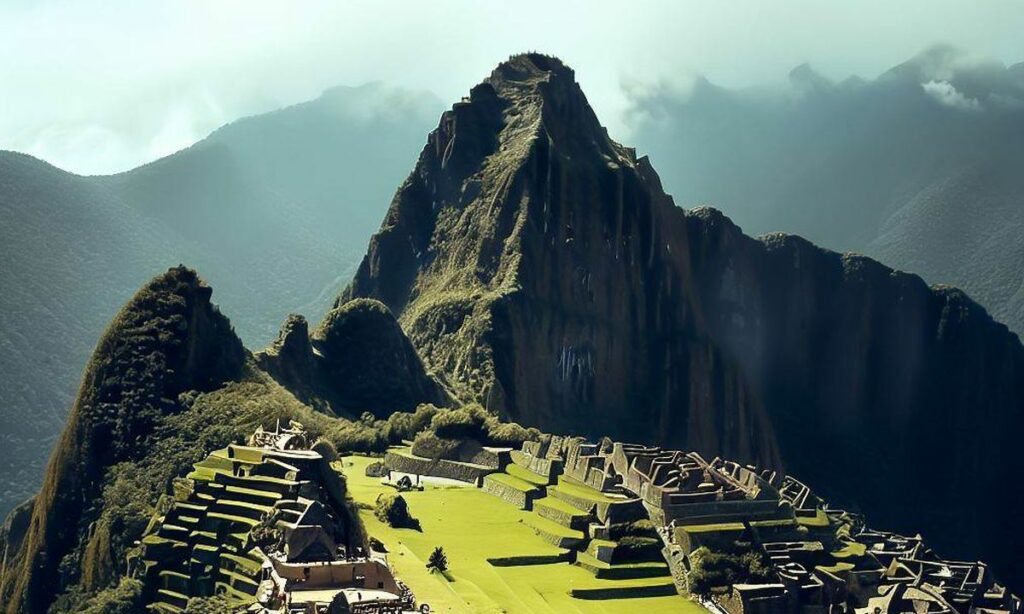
[(637, 548), (710, 569), (641, 528), (507, 434), (394, 511), (438, 560), (217, 604), (356, 437), (326, 449), (404, 425), (459, 424), (123, 598), (429, 445)]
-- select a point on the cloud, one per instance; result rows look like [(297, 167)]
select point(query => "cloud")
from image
[(947, 95), (153, 75)]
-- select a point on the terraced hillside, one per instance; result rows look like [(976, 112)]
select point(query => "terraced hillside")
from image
[(607, 535), (207, 542)]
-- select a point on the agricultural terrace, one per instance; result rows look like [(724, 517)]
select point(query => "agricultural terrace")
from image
[(473, 527)]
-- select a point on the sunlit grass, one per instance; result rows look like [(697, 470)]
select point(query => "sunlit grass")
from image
[(473, 526)]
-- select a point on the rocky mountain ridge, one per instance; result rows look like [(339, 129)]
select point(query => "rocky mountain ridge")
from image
[(542, 270), (917, 167)]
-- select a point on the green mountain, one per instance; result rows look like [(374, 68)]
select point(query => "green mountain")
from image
[(168, 383), (275, 209), (918, 167)]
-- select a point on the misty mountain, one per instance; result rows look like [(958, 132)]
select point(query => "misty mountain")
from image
[(919, 167), (275, 208)]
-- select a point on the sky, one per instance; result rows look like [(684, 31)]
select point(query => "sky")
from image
[(101, 87)]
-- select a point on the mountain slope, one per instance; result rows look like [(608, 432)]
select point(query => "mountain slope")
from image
[(540, 268), (527, 255), (918, 167), (168, 382), (274, 209), (166, 340)]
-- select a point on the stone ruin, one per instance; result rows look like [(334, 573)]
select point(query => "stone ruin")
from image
[(823, 560), (265, 523)]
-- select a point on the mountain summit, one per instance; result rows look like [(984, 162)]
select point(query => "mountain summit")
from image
[(531, 257), (538, 267)]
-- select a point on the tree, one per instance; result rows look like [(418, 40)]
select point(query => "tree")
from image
[(393, 510), (438, 560)]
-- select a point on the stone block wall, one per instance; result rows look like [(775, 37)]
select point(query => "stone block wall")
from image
[(519, 498), (439, 468)]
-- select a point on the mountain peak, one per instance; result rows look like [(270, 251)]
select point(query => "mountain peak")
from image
[(519, 204), (531, 68)]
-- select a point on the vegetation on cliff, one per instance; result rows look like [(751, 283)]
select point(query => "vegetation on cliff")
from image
[(459, 434), (167, 340), (358, 359), (168, 383)]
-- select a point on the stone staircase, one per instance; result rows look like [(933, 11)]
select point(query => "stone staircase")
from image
[(581, 519), (201, 546)]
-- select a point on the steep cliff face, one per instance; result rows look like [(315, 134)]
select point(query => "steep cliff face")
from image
[(540, 267), (357, 360), (168, 339), (902, 399)]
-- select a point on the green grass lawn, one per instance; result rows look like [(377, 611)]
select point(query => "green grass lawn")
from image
[(473, 526), (584, 492), (558, 504), (851, 549), (549, 526), (513, 481), (526, 475)]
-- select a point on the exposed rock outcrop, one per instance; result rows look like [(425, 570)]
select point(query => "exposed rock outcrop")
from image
[(357, 360), (540, 267), (902, 399), (167, 340), (290, 360)]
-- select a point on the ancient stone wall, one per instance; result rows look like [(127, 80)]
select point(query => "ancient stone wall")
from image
[(523, 499), (441, 468)]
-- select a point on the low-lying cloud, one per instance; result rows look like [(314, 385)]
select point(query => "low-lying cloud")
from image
[(947, 95)]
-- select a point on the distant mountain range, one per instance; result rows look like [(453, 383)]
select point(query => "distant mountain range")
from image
[(919, 168), (275, 209)]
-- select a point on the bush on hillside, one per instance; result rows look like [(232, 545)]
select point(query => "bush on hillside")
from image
[(438, 560), (640, 528), (507, 434), (393, 510), (405, 425), (429, 445), (465, 422), (356, 437), (637, 548), (217, 604), (326, 449), (122, 598), (710, 569)]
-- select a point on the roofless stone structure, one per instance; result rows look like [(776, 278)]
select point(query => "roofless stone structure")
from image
[(266, 523), (739, 539)]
